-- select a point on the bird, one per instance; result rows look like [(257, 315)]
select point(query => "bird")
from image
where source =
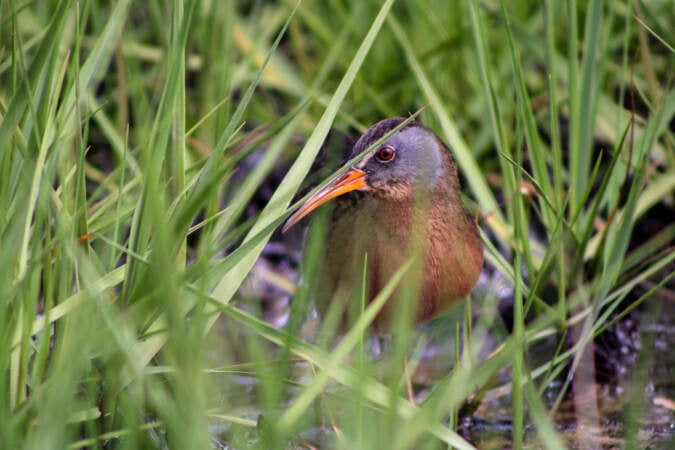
[(401, 202)]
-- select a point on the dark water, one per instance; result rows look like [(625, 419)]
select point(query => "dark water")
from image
[(631, 407), (630, 403)]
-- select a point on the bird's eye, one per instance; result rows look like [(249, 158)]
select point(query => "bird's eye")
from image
[(385, 154)]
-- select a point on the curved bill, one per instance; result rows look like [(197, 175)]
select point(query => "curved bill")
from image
[(351, 180)]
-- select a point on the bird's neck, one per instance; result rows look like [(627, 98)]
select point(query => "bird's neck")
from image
[(440, 209)]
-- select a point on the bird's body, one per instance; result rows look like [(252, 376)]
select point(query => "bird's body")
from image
[(407, 205)]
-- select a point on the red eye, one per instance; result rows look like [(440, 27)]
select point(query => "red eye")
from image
[(386, 153)]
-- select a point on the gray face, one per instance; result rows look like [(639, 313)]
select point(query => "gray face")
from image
[(410, 158)]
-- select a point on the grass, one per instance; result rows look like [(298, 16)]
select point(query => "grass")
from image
[(122, 133)]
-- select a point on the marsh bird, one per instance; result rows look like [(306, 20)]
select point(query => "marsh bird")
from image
[(401, 201)]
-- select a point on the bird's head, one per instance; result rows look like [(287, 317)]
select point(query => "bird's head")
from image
[(411, 161)]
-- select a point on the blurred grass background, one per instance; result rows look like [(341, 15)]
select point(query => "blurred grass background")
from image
[(124, 126)]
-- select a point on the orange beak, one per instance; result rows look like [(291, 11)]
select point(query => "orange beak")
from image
[(351, 180)]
